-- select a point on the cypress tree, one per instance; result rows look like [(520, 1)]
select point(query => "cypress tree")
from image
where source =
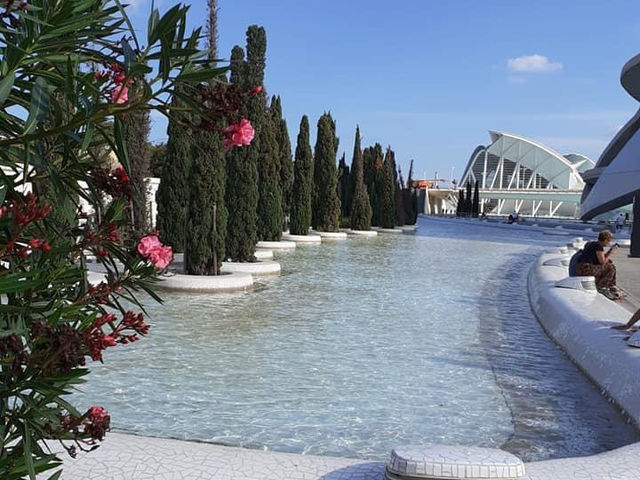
[(407, 198), (242, 180), (378, 186), (302, 183), (387, 192), (360, 207), (284, 154), (468, 204), (460, 206), (476, 201), (204, 242), (136, 126), (344, 183), (270, 196), (399, 200), (171, 195), (206, 213), (326, 205), (414, 205)]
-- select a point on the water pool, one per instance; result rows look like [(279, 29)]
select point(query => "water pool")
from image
[(362, 345)]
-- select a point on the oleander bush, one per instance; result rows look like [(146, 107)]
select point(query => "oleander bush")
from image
[(70, 70)]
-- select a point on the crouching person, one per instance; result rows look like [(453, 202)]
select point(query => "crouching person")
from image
[(595, 262)]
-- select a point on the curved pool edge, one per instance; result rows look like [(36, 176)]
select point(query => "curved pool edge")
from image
[(132, 457), (580, 324)]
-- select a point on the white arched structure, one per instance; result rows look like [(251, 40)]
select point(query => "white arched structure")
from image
[(515, 173), (615, 180)]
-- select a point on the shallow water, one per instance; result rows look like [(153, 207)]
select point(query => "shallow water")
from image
[(362, 345)]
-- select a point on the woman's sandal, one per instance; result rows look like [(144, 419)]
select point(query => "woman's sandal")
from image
[(617, 292)]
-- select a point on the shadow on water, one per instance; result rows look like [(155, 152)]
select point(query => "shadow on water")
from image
[(548, 396)]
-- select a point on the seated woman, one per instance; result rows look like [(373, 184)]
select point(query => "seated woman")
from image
[(595, 262)]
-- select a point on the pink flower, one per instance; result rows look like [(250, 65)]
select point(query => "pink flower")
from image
[(161, 257), (256, 90), (238, 134), (148, 244), (120, 94)]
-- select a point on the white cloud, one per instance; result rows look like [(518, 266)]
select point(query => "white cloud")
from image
[(533, 64)]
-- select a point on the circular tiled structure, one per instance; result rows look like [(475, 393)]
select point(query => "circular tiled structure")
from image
[(331, 235), (452, 462)]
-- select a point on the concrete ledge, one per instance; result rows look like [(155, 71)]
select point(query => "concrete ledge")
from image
[(387, 230), (133, 457), (281, 245), (408, 228), (361, 233), (262, 254), (580, 323), (178, 282), (302, 238), (331, 235), (265, 267)]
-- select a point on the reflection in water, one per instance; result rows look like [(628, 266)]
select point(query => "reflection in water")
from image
[(359, 346)]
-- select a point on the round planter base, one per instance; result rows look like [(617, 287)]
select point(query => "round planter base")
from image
[(262, 254), (387, 230), (227, 282), (266, 267), (331, 235), (361, 233), (281, 245), (303, 239)]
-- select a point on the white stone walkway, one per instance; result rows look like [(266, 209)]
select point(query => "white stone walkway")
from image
[(130, 457)]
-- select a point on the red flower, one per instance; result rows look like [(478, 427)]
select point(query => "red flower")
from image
[(256, 90)]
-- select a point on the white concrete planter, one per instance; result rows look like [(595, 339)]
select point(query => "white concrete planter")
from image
[(281, 245), (262, 254), (387, 230), (408, 228), (266, 267), (302, 238), (361, 233), (178, 282), (331, 235)]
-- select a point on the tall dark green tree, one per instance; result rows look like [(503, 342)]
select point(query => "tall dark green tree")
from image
[(344, 184), (407, 198), (269, 193), (284, 154), (171, 197), (399, 201), (326, 204), (242, 179), (206, 228), (468, 201), (360, 207), (207, 214), (387, 192), (136, 128), (302, 183), (475, 209), (377, 185), (460, 206)]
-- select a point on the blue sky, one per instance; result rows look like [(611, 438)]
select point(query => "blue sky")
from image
[(430, 78)]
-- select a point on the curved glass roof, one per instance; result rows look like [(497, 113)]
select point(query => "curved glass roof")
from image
[(516, 162)]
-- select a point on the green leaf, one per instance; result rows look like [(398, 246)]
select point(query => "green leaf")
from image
[(6, 84), (39, 104), (28, 459), (121, 151)]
